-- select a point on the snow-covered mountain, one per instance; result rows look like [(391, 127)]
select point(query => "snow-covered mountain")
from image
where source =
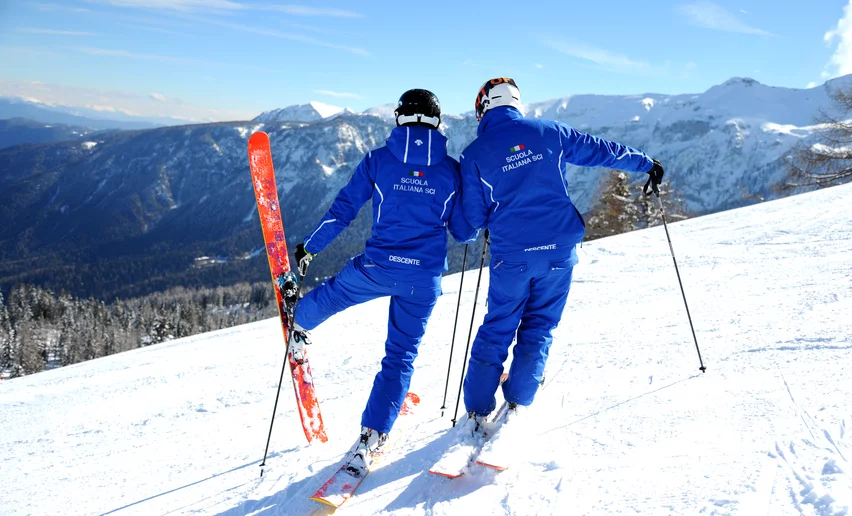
[(75, 216), (625, 424), (722, 148), (385, 112), (14, 107), (17, 131), (310, 112)]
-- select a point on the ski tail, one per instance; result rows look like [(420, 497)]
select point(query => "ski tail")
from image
[(343, 483)]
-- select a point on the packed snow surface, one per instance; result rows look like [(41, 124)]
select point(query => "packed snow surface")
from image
[(626, 423)]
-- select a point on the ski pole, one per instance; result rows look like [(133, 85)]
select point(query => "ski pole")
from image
[(470, 332), (455, 324), (669, 238), (290, 324)]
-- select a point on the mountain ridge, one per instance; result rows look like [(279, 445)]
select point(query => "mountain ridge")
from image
[(128, 212)]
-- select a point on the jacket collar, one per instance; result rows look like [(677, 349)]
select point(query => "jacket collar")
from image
[(417, 145), (497, 116)]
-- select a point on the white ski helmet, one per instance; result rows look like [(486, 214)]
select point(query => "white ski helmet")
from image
[(501, 91)]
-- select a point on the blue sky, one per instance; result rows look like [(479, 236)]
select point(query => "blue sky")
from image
[(231, 59)]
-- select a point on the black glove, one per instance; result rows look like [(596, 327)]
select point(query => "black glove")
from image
[(303, 259), (655, 178)]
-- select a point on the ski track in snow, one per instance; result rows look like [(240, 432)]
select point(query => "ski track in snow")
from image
[(626, 423)]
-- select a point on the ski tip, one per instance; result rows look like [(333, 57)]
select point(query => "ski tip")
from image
[(324, 501), (258, 136), (413, 398), (492, 466), (446, 475)]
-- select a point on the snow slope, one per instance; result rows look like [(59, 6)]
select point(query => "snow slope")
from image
[(626, 423)]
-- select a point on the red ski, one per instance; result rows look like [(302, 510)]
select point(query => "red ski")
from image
[(342, 485), (268, 209)]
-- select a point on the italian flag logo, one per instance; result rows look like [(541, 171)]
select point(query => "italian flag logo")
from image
[(517, 148), (416, 173)]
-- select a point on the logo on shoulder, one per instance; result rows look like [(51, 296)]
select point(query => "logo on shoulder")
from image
[(517, 148)]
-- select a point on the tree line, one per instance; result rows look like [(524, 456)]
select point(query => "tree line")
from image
[(41, 330)]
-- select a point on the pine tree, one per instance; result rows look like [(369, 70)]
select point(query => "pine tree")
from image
[(7, 337), (623, 206), (649, 208), (828, 162), (615, 211)]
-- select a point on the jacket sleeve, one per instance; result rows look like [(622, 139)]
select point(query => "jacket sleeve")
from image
[(585, 150), (475, 205), (459, 227), (344, 209)]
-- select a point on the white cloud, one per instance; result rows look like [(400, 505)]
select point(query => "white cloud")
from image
[(604, 58), (107, 52), (301, 10), (174, 5), (841, 35), (713, 16), (152, 29), (282, 35), (539, 66), (338, 94), (129, 103), (229, 5), (811, 84), (52, 32), (28, 50), (55, 7)]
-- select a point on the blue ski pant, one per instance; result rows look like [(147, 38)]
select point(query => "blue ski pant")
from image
[(526, 298), (412, 300)]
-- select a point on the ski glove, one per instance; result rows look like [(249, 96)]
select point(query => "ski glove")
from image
[(655, 178), (303, 259)]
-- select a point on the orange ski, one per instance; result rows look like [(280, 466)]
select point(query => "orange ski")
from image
[(343, 483), (268, 209)]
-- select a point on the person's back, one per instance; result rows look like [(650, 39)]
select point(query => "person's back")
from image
[(516, 180), (414, 187), (514, 183), (415, 182)]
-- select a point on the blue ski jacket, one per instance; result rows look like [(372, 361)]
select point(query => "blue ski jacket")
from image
[(416, 188), (515, 182)]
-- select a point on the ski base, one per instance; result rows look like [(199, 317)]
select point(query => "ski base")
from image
[(345, 481)]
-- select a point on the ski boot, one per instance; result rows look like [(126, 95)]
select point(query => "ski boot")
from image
[(369, 445), (474, 427), (288, 285)]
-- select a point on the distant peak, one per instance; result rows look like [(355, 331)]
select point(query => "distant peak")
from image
[(325, 110), (741, 81), (310, 112)]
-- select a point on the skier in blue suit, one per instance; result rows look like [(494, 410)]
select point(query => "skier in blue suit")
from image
[(415, 188), (515, 185)]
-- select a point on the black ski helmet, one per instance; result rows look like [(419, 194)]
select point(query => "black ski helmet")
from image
[(418, 107)]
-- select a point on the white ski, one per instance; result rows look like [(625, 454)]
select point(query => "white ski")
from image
[(458, 457), (500, 451)]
